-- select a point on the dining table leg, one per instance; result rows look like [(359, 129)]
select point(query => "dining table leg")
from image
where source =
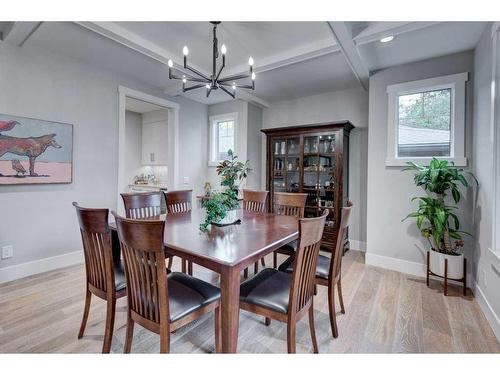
[(230, 308)]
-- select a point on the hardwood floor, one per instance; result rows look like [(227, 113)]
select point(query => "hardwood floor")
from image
[(386, 311)]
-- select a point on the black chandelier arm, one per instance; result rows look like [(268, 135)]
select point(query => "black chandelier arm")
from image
[(220, 70), (184, 89), (200, 74), (235, 77), (252, 86), (188, 78), (228, 92)]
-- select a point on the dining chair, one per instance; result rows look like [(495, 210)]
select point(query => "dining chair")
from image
[(160, 302), (180, 201), (328, 273), (288, 297), (291, 204), (142, 205), (254, 200), (105, 278)]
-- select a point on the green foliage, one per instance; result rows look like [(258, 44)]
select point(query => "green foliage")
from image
[(233, 171), (217, 207), (429, 110), (435, 219)]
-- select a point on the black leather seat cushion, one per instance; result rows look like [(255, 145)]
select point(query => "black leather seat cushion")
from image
[(270, 288), (322, 266), (187, 294), (120, 280), (289, 248)]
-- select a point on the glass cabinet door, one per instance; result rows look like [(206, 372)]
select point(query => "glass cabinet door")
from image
[(278, 165), (292, 164)]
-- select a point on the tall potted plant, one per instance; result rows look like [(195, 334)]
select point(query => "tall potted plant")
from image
[(437, 220), (233, 172)]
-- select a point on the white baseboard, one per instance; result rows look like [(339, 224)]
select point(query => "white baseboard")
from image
[(488, 311), (395, 264), (357, 245), (19, 271)]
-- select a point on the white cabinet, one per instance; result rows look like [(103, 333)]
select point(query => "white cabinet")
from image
[(154, 138)]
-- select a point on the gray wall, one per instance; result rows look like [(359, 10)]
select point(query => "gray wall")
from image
[(39, 220), (389, 189), (486, 277), (352, 105), (254, 153)]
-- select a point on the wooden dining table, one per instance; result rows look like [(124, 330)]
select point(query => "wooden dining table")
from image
[(225, 250)]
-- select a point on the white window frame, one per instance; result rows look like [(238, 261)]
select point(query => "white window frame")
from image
[(213, 143), (455, 82)]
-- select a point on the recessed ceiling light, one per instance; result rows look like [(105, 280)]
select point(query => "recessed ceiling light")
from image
[(387, 39)]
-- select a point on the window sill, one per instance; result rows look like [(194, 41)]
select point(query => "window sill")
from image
[(401, 162)]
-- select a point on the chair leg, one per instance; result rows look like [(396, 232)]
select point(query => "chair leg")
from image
[(110, 322), (256, 268), (312, 329), (341, 300), (290, 340), (331, 309), (275, 260), (218, 336), (268, 321), (129, 335), (170, 262), (164, 341), (88, 297)]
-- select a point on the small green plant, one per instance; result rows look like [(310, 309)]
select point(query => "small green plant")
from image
[(217, 207), (233, 171), (437, 221)]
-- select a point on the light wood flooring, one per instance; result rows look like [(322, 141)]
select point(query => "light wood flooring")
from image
[(386, 311)]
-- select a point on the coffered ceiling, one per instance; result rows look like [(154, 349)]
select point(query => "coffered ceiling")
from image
[(292, 59)]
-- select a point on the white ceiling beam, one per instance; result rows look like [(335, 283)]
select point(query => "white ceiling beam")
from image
[(344, 38), (18, 33), (378, 30)]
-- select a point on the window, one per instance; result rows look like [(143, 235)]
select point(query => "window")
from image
[(427, 119), (222, 137)]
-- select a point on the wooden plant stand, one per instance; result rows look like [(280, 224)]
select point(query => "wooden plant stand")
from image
[(446, 278)]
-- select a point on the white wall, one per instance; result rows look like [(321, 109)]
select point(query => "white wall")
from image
[(390, 242), (352, 105), (39, 220), (487, 279), (133, 145)]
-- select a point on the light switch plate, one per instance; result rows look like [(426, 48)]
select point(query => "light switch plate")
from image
[(7, 252)]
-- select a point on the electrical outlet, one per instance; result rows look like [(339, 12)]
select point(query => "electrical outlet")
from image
[(7, 252), (186, 180)]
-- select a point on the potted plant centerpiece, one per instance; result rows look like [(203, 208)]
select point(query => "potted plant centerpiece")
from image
[(232, 172), (437, 220)]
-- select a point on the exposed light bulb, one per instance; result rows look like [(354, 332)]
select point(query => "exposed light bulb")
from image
[(223, 49), (250, 61), (170, 63), (185, 51), (207, 86), (253, 76), (387, 39), (184, 80), (234, 85)]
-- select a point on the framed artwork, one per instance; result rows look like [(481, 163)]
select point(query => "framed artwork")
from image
[(35, 151)]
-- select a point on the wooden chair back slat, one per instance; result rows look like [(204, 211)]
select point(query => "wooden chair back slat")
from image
[(304, 270), (254, 200), (142, 205), (290, 204), (141, 242), (179, 201), (97, 252), (335, 265)]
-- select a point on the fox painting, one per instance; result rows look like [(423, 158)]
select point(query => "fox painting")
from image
[(43, 149)]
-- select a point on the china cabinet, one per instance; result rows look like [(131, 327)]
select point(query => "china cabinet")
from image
[(312, 159)]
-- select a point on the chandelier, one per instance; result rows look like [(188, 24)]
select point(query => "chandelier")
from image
[(214, 82)]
